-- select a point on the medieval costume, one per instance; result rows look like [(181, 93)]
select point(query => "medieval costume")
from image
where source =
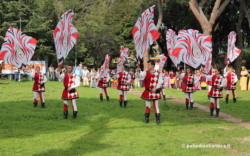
[(72, 81), (243, 78), (152, 80), (203, 82), (231, 84), (132, 75), (172, 79), (163, 86), (188, 88), (38, 87), (198, 85), (215, 93), (103, 85), (209, 83), (124, 79)]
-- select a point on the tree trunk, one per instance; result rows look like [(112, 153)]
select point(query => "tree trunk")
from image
[(240, 39), (244, 7)]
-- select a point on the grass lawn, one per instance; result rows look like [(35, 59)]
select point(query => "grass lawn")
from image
[(240, 109), (103, 128)]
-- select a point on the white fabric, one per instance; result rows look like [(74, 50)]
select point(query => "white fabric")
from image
[(163, 91), (104, 69), (32, 75), (51, 69), (124, 93), (137, 83), (73, 103), (77, 80), (232, 51), (189, 96), (217, 100), (228, 92), (36, 94), (148, 104), (142, 75), (226, 73), (123, 56), (85, 74), (194, 49), (163, 60), (128, 76), (196, 79), (210, 77)]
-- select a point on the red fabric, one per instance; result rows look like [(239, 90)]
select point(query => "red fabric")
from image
[(233, 91), (123, 77), (65, 107), (216, 93), (103, 82), (151, 81), (35, 100), (38, 79), (105, 91), (211, 72), (172, 76), (203, 79), (41, 98), (72, 105), (68, 82), (147, 109), (121, 97), (187, 100), (100, 94), (188, 79), (154, 106), (215, 99), (227, 96), (211, 105), (230, 79)]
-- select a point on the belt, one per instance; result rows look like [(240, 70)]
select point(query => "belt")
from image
[(217, 88), (231, 84), (121, 84), (71, 91), (157, 90), (104, 82), (189, 85), (148, 89), (39, 84)]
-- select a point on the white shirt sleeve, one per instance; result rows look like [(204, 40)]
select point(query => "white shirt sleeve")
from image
[(77, 82), (141, 75), (236, 78), (160, 81), (61, 77), (129, 78), (32, 75), (196, 79), (117, 76), (107, 77), (182, 76), (223, 83), (44, 79), (208, 77)]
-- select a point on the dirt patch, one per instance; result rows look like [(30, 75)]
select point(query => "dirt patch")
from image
[(225, 116)]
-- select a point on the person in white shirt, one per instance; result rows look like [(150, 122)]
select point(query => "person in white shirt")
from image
[(51, 72), (71, 82), (85, 77)]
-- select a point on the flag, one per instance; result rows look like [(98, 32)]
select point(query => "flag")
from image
[(123, 56), (163, 60), (232, 51), (104, 68)]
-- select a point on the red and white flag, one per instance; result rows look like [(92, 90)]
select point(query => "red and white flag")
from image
[(17, 48), (65, 36), (104, 68), (144, 32), (171, 41), (232, 51), (123, 56), (163, 60), (194, 49)]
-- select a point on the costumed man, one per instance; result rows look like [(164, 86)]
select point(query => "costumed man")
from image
[(153, 83), (103, 85), (172, 78), (124, 79), (203, 82), (243, 78), (217, 83), (209, 83), (189, 81), (163, 85), (231, 82), (38, 87), (71, 81)]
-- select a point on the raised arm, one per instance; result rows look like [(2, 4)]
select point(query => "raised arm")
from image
[(61, 77), (129, 78), (182, 75), (208, 77), (141, 75), (77, 82), (196, 79)]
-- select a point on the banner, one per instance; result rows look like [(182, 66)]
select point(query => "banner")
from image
[(8, 69)]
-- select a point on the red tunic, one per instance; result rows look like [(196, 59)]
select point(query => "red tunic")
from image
[(172, 76), (151, 81), (211, 72), (230, 81), (123, 77), (68, 82), (188, 79), (38, 79), (103, 83), (216, 93)]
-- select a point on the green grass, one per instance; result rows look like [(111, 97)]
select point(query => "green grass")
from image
[(240, 109), (103, 128)]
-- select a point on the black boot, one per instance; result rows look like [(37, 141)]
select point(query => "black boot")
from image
[(217, 112), (164, 97), (107, 98), (226, 100), (101, 98), (35, 104), (191, 105), (120, 101), (234, 100), (211, 111), (43, 103), (187, 103), (146, 118), (65, 114), (125, 104), (157, 115), (74, 114)]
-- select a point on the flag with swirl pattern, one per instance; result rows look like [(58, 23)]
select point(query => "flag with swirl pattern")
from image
[(171, 41), (65, 36), (194, 49), (163, 60), (232, 51), (104, 68), (144, 32), (123, 56), (17, 48)]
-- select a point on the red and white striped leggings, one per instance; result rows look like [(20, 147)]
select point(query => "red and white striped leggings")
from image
[(105, 90), (156, 106), (41, 95), (73, 103), (233, 92)]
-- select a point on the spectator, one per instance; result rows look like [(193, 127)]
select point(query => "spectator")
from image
[(85, 77), (93, 76), (1, 68), (137, 81), (51, 72), (132, 78), (58, 73), (109, 72), (32, 71), (114, 81), (16, 73), (98, 72)]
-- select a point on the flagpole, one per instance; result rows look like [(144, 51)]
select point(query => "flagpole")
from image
[(21, 34)]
